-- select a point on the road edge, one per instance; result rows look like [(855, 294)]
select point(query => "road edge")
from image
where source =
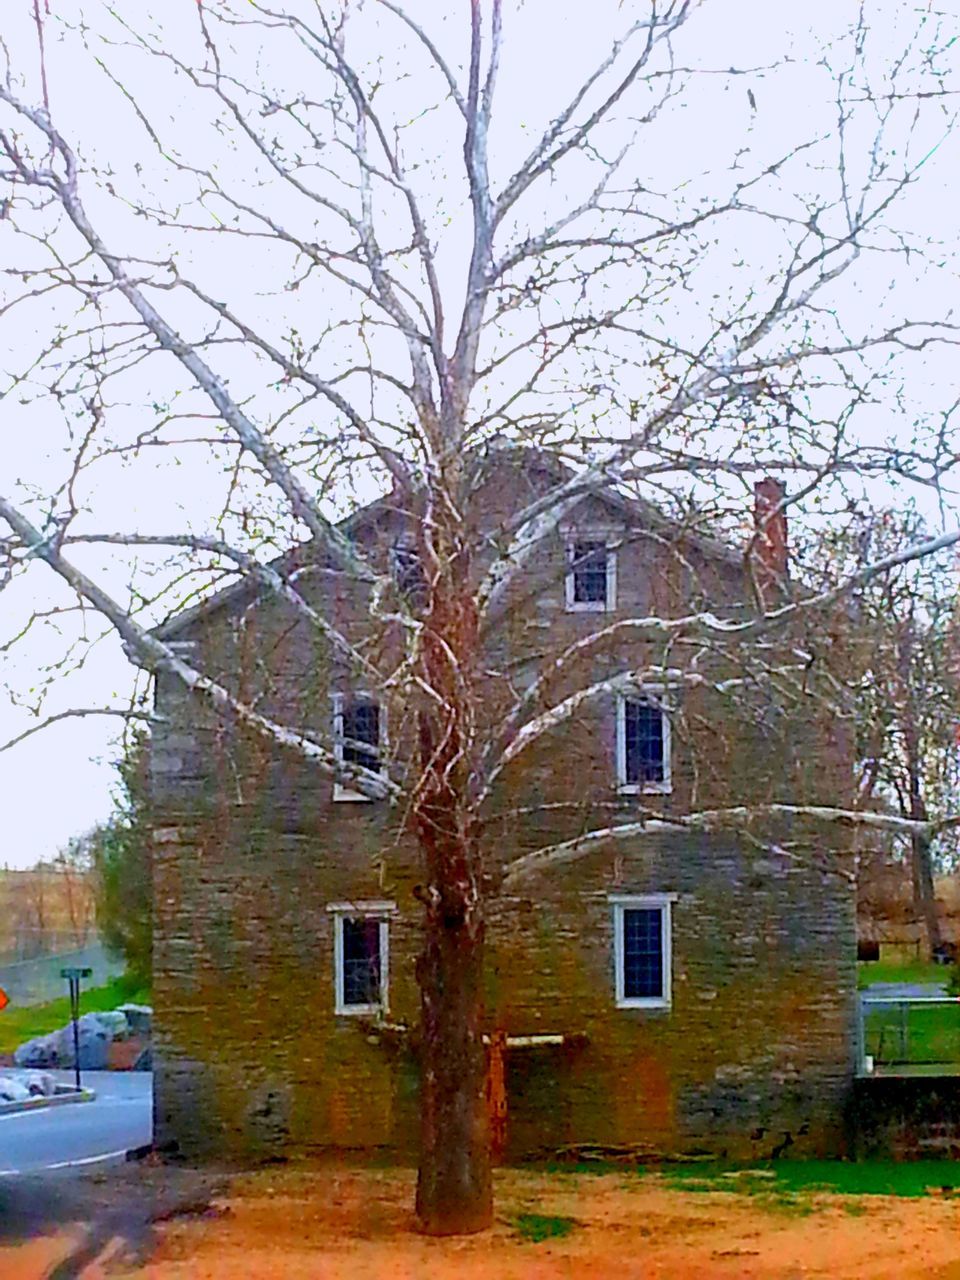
[(41, 1102)]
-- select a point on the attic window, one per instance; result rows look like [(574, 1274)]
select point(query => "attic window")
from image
[(591, 585), (358, 736)]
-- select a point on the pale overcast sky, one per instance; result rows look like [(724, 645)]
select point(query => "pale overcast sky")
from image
[(58, 783)]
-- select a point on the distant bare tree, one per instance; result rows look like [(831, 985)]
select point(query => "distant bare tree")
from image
[(340, 271), (74, 869), (906, 691), (26, 904)]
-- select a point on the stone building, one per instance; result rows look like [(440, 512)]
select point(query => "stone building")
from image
[(678, 990)]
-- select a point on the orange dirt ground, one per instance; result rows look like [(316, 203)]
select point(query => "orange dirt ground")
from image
[(326, 1224)]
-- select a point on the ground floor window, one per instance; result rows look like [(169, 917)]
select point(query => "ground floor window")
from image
[(642, 950), (361, 954)]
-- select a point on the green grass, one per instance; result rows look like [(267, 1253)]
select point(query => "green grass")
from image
[(786, 1179), (872, 971), (913, 1034), (596, 1168), (19, 1024), (535, 1227)]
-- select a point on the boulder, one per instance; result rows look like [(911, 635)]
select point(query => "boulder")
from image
[(94, 1038), (12, 1090), (43, 1051), (115, 1020), (40, 1084), (96, 1033), (139, 1017), (144, 1060)]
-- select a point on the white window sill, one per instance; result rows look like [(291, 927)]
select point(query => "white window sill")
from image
[(588, 606), (345, 795), (360, 1011), (650, 1002), (647, 789)]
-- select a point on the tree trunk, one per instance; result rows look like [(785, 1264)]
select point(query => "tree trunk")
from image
[(921, 862), (454, 1188), (924, 896)]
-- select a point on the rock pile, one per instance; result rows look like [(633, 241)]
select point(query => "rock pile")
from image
[(32, 1084), (96, 1033)]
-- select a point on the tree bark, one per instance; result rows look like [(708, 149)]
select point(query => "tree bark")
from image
[(921, 862), (924, 896), (454, 1187)]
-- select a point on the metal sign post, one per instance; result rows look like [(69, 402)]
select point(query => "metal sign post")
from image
[(73, 977)]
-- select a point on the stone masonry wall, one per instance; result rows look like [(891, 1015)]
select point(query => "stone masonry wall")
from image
[(754, 1057)]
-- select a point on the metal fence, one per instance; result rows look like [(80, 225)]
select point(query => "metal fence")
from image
[(38, 980), (909, 1035)]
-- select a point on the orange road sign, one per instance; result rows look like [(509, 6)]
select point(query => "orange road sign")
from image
[(4, 999)]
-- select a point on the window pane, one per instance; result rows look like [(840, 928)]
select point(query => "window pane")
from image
[(361, 961), (410, 577), (643, 954), (361, 721), (643, 735), (590, 572)]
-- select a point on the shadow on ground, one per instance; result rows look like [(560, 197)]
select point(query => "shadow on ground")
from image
[(110, 1211)]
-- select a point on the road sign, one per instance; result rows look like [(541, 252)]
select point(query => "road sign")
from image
[(4, 999)]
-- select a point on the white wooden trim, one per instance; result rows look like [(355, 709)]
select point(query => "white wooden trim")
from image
[(611, 542), (655, 695), (341, 791), (661, 902), (379, 911), (363, 907)]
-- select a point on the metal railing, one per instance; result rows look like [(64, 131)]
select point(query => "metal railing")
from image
[(909, 1035)]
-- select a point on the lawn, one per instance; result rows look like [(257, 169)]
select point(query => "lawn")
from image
[(869, 972), (909, 1178), (19, 1024), (913, 1034)]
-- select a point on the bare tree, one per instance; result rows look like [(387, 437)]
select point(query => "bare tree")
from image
[(359, 276), (74, 869), (27, 913), (905, 691)]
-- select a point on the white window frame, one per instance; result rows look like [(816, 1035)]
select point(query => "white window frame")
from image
[(342, 792), (662, 902), (656, 695), (381, 912), (611, 542)]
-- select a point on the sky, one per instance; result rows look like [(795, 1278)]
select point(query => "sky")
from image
[(58, 783)]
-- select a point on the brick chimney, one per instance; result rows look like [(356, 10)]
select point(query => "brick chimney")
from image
[(769, 547)]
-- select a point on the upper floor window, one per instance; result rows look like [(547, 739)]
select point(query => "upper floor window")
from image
[(361, 953), (642, 950), (358, 738), (409, 574), (591, 585), (643, 744)]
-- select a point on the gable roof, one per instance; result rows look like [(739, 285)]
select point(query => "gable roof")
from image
[(637, 510)]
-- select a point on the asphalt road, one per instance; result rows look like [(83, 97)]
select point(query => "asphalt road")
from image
[(74, 1137)]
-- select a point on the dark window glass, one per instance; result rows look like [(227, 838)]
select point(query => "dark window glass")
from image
[(361, 961), (361, 722), (589, 573), (643, 954), (643, 741), (410, 577)]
